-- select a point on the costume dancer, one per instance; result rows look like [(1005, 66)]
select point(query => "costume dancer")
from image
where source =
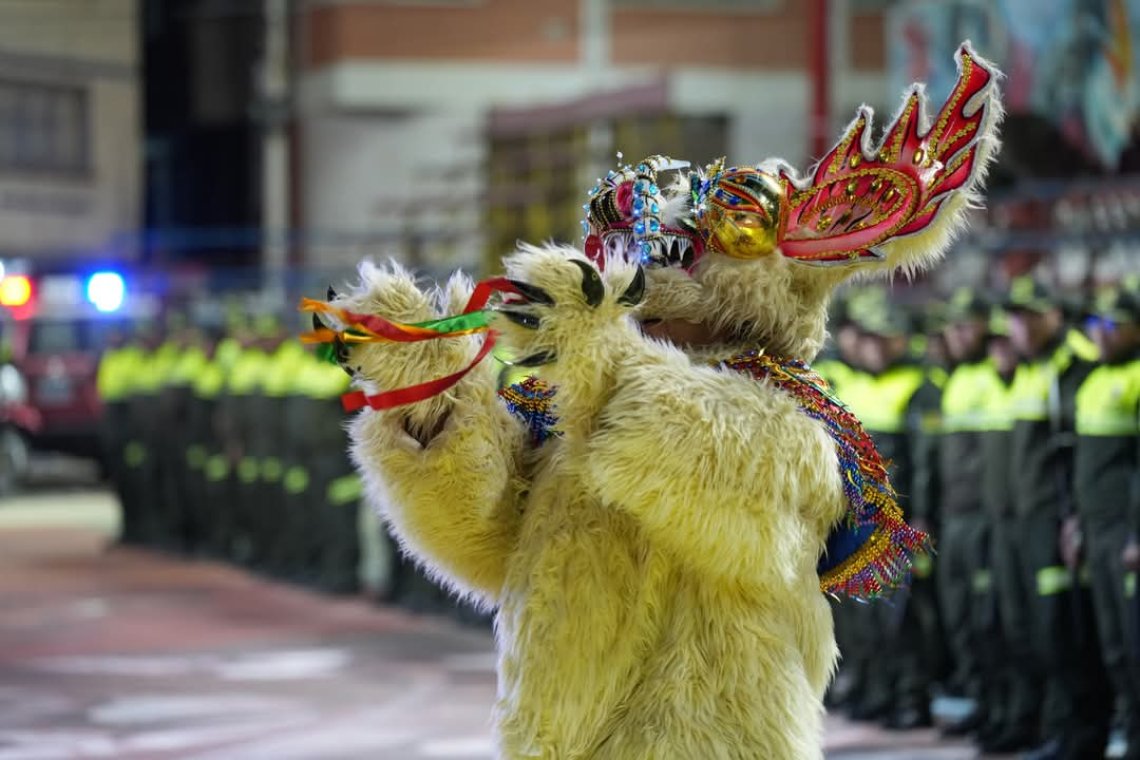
[(657, 520)]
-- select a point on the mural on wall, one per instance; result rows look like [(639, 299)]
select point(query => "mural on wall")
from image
[(1073, 62)]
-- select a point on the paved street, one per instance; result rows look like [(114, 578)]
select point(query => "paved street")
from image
[(128, 655)]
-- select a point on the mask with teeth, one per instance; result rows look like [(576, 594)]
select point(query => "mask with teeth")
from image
[(629, 215)]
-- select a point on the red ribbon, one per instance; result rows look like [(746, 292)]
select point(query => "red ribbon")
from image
[(413, 393)]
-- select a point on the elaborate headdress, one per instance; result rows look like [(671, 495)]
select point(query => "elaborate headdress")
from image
[(629, 212), (862, 194)]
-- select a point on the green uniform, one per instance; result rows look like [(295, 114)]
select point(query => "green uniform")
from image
[(964, 530), (114, 382), (1107, 463), (1041, 604), (1012, 695), (248, 444), (891, 409), (142, 453), (174, 410), (322, 491), (205, 463), (273, 522)]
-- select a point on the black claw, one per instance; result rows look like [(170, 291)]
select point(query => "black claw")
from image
[(317, 323), (331, 294), (532, 293), (634, 294), (592, 286), (521, 318), (536, 360), (342, 356)]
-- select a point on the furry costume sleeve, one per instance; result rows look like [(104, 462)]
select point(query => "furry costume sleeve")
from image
[(446, 471)]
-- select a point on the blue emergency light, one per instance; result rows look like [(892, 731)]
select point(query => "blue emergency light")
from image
[(105, 290)]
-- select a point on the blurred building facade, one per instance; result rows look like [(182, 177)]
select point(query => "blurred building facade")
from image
[(408, 114), (69, 130)]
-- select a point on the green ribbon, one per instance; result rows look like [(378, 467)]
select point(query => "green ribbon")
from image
[(476, 320)]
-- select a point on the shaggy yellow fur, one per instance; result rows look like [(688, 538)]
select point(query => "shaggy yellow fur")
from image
[(654, 567)]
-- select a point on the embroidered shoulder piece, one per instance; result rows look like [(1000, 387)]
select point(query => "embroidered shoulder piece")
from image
[(532, 401), (871, 551)]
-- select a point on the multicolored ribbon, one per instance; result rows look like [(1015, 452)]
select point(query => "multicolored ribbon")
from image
[(367, 328)]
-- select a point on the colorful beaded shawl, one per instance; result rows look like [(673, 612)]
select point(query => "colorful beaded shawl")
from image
[(532, 401), (870, 552)]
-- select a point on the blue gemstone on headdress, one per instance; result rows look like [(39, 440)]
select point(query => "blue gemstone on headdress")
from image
[(654, 225), (734, 201), (646, 247), (639, 187), (638, 204), (639, 228), (642, 168), (653, 189), (585, 226), (595, 190), (653, 208), (637, 213)]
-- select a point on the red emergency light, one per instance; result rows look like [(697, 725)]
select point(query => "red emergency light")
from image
[(15, 290)]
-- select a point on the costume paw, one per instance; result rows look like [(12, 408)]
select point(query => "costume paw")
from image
[(567, 310), (391, 292)]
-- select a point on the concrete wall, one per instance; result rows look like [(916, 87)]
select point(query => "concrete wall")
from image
[(392, 95), (90, 45)]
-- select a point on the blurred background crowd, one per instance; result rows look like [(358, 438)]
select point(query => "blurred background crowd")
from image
[(175, 174)]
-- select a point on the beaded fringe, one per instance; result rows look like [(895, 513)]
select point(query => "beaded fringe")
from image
[(882, 562)]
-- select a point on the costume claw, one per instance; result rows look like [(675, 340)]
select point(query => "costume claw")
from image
[(536, 360), (592, 286), (634, 294), (521, 318), (342, 356), (532, 293)]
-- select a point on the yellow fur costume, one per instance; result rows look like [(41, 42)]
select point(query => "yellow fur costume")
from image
[(654, 567)]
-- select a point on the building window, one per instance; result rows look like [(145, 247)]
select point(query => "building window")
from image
[(43, 129)]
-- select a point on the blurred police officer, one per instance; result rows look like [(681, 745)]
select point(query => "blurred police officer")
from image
[(1009, 705), (1107, 462), (201, 445), (247, 444), (174, 411), (896, 687), (222, 447), (113, 379), (146, 431), (285, 363), (962, 533), (1047, 606)]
